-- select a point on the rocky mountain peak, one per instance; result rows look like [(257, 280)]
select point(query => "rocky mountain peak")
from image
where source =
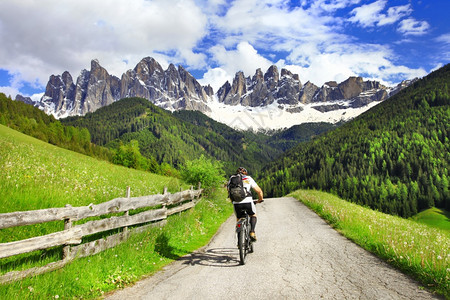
[(170, 89), (259, 76), (175, 88), (288, 73)]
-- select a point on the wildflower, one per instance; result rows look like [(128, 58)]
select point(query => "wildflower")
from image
[(439, 257)]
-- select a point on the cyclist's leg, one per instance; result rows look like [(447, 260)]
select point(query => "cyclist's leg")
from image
[(251, 210), (253, 220), (252, 213)]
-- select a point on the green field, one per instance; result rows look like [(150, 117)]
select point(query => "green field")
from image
[(38, 175), (434, 217)]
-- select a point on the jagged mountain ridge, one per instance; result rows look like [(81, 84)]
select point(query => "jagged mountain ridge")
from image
[(171, 89), (176, 89), (288, 92)]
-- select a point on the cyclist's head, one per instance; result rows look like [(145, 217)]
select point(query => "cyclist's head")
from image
[(241, 170)]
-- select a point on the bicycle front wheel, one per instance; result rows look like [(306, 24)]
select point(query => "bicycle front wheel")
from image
[(242, 246)]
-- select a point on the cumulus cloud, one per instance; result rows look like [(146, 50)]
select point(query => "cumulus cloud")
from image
[(49, 36), (244, 58), (9, 91), (215, 38), (215, 77)]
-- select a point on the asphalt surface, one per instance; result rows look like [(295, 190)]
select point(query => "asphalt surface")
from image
[(297, 256)]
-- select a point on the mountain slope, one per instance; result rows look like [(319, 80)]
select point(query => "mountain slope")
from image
[(169, 138), (394, 158), (34, 122)]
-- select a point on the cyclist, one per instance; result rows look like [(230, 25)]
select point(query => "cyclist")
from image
[(247, 204)]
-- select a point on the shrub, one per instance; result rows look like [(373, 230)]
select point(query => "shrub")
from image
[(208, 172)]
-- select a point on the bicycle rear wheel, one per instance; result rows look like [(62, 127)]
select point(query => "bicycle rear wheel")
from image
[(242, 246)]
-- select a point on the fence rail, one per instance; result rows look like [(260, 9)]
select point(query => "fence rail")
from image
[(72, 234)]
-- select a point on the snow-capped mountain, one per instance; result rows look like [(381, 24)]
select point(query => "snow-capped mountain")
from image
[(265, 101)]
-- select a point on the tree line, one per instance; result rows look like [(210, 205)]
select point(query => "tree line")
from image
[(34, 122)]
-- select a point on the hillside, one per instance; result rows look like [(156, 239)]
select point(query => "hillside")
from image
[(36, 175), (39, 175), (393, 158), (163, 137), (174, 138), (34, 122)]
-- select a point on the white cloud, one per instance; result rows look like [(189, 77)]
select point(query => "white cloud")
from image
[(50, 36), (412, 27), (9, 91), (218, 37), (244, 58), (444, 38), (331, 6), (370, 15), (215, 77), (374, 62)]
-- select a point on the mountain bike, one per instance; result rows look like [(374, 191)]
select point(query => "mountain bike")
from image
[(245, 243)]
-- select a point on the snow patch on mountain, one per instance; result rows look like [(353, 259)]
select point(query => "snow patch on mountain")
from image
[(273, 117)]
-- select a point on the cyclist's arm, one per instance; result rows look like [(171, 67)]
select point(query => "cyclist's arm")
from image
[(259, 191)]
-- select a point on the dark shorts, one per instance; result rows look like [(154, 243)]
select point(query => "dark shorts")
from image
[(240, 208)]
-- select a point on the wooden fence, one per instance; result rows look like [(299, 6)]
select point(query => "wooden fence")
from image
[(70, 238)]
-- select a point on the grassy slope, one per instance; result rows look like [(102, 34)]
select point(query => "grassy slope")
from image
[(434, 217), (38, 175)]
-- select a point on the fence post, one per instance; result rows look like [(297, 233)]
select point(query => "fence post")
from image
[(125, 229), (164, 192), (67, 225)]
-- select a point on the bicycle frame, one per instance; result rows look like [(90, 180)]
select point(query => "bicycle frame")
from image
[(245, 244)]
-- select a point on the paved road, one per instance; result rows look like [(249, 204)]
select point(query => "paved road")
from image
[(297, 256)]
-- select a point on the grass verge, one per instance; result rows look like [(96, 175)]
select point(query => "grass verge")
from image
[(142, 255), (416, 249)]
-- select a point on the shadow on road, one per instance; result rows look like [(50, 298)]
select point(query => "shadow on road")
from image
[(218, 257)]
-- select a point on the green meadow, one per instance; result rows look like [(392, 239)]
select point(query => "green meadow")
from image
[(38, 175), (434, 217)]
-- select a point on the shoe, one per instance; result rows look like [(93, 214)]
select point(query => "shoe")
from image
[(253, 236)]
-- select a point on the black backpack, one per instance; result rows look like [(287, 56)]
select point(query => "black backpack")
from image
[(236, 190)]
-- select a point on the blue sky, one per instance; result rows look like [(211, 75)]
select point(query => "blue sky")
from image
[(322, 40)]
